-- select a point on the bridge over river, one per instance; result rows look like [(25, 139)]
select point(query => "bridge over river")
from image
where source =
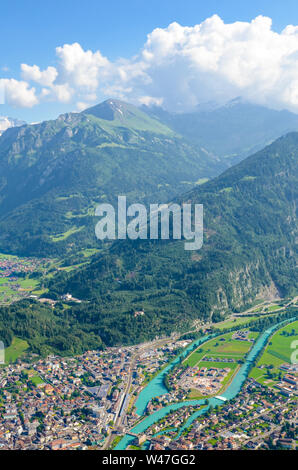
[(154, 389)]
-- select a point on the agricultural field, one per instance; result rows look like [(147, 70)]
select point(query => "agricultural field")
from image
[(20, 277), (15, 350), (235, 322), (221, 346), (272, 308), (277, 352)]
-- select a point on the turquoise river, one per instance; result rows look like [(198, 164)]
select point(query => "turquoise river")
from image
[(157, 388)]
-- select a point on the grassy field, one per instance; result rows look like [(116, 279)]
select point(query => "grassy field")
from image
[(235, 322), (4, 256), (222, 346), (28, 284), (36, 380), (273, 307), (278, 351), (6, 290), (217, 364), (279, 348), (15, 350), (89, 252), (65, 235)]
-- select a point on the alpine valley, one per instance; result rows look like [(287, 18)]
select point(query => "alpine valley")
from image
[(249, 250), (53, 175)]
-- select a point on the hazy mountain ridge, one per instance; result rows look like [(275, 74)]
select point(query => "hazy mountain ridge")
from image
[(231, 131)]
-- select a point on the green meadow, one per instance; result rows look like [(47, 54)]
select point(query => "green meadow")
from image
[(235, 322), (65, 235), (36, 380), (277, 352), (15, 350), (221, 346)]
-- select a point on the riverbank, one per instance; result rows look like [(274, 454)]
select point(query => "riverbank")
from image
[(231, 391)]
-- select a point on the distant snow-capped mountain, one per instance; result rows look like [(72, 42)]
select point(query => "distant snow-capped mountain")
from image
[(6, 122)]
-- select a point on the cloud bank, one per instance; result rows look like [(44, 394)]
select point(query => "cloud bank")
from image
[(178, 68)]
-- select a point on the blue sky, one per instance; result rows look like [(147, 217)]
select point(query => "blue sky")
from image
[(31, 30)]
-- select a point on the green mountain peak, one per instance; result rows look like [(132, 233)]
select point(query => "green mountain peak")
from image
[(54, 173), (115, 113)]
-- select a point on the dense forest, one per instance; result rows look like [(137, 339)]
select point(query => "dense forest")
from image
[(47, 330), (250, 231), (74, 330)]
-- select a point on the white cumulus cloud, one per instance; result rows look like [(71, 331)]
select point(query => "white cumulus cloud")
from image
[(214, 60), (18, 93), (81, 68), (43, 77), (178, 67), (62, 92)]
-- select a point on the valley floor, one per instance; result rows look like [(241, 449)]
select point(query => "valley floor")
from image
[(91, 400)]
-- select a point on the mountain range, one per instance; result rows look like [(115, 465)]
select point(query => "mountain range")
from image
[(231, 131), (54, 173), (249, 252)]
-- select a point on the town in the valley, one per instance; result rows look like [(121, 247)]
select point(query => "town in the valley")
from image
[(97, 399)]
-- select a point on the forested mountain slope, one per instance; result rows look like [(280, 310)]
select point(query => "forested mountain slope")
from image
[(250, 248), (53, 174)]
